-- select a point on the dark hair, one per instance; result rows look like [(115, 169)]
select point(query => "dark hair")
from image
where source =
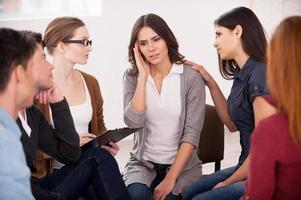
[(156, 23), (15, 49), (253, 37), (36, 36), (59, 30)]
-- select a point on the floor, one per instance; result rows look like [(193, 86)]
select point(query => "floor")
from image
[(231, 153)]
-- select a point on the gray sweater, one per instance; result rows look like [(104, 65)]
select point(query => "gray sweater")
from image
[(192, 92)]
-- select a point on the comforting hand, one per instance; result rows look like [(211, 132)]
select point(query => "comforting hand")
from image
[(201, 70), (113, 149), (163, 189), (85, 137), (52, 95), (220, 184), (142, 65)]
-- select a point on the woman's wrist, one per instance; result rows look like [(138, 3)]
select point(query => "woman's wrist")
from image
[(170, 177), (142, 78), (227, 182)]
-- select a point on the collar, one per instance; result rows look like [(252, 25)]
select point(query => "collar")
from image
[(176, 69), (24, 123), (245, 71)]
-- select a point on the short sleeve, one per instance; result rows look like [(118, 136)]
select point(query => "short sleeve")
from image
[(257, 82)]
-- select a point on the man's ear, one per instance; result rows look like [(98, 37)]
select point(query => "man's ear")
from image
[(19, 72), (238, 31)]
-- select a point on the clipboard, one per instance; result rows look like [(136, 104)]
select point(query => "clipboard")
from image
[(109, 136)]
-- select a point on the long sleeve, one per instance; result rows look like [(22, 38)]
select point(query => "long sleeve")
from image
[(62, 142), (131, 117), (195, 110)]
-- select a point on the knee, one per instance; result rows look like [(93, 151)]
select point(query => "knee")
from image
[(188, 193), (138, 191), (101, 155)]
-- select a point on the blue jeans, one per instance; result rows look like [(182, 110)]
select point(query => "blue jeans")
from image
[(96, 168), (202, 189), (140, 191)]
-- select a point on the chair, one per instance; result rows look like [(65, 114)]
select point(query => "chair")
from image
[(211, 145)]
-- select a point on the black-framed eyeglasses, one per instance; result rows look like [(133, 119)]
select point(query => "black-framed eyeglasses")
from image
[(84, 42)]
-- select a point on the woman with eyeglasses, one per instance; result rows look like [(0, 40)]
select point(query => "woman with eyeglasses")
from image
[(67, 41)]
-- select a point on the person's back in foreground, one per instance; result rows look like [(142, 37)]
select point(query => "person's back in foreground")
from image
[(16, 92), (275, 163)]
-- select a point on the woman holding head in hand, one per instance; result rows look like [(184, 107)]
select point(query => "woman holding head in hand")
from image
[(241, 45), (163, 96)]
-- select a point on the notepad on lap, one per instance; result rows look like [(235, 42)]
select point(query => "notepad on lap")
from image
[(109, 136)]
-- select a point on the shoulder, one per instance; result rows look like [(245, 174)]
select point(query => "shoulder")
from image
[(7, 138), (88, 77), (256, 80), (90, 80), (129, 76), (192, 75), (259, 69), (4, 135), (189, 71)]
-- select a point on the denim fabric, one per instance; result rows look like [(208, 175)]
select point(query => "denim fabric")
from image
[(202, 189), (14, 173), (140, 191), (96, 168), (249, 82), (229, 192)]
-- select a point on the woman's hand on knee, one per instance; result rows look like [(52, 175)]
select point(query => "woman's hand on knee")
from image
[(220, 184), (163, 189)]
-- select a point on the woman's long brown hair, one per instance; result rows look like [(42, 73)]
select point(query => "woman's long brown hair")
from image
[(284, 72)]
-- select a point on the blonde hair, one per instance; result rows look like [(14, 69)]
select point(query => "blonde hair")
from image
[(59, 30), (284, 72)]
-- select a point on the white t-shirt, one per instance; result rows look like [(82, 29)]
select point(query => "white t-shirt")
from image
[(163, 118), (82, 115)]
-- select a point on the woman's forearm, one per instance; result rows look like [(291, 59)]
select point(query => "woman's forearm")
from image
[(240, 174), (221, 106), (182, 158), (139, 98)]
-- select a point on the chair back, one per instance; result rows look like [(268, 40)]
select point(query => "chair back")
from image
[(211, 146)]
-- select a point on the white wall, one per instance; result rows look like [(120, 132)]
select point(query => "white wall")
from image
[(190, 20)]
